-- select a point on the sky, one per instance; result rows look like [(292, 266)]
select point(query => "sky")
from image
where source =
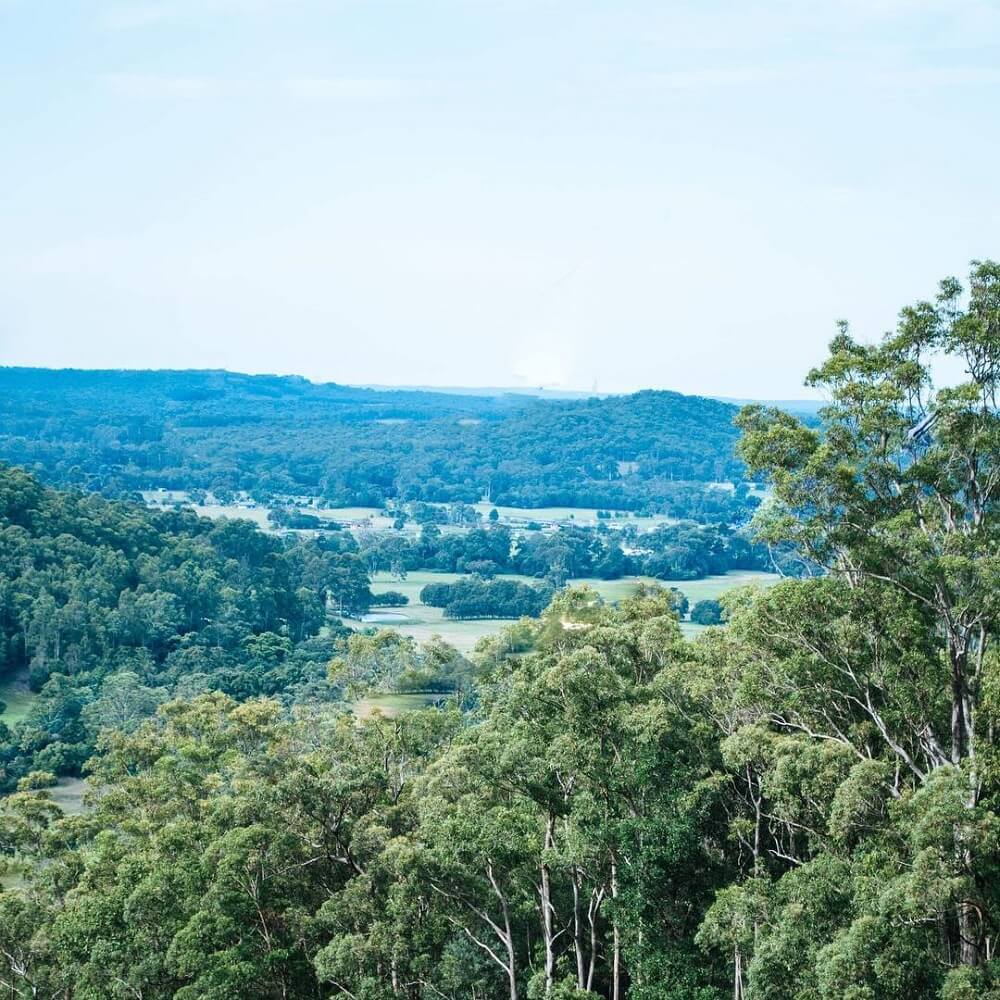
[(562, 193)]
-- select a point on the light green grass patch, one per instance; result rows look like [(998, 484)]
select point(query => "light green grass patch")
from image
[(165, 496), (391, 705), (707, 588), (346, 514), (17, 696), (573, 515), (543, 515), (68, 795), (422, 622), (236, 513), (417, 580)]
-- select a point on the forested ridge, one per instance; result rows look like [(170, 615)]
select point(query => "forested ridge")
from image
[(804, 803), (117, 432), (106, 607)]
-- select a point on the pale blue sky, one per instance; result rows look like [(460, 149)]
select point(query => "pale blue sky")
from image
[(487, 192)]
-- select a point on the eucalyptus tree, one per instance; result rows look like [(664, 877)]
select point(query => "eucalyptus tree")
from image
[(891, 655)]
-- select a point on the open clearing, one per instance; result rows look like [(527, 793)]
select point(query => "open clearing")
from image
[(234, 512), (420, 621), (577, 515), (17, 696), (515, 516), (343, 515), (708, 588), (68, 795), (390, 705)]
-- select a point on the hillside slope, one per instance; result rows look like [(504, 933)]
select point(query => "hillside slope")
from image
[(120, 431)]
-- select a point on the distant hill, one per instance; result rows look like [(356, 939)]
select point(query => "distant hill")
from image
[(539, 392), (121, 431), (800, 407)]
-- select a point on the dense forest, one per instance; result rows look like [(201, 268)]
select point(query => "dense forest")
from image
[(105, 605), (474, 597), (802, 803), (117, 432)]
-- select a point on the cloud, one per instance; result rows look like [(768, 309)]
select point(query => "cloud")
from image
[(701, 79), (351, 89), (136, 15), (872, 70), (327, 89), (142, 12), (151, 87)]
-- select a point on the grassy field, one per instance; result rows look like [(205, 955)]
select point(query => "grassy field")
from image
[(518, 515), (165, 496), (391, 705), (15, 694), (256, 514), (708, 588), (345, 513), (348, 514), (416, 581), (259, 514), (579, 515), (68, 795), (420, 622)]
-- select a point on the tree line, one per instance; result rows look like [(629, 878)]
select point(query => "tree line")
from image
[(103, 602), (474, 597), (682, 551)]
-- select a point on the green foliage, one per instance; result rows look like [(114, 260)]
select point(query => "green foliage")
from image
[(477, 598), (110, 609), (284, 437), (707, 613), (682, 551)]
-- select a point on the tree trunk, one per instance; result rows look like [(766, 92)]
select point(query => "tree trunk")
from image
[(968, 934), (581, 980), (508, 935), (592, 911), (616, 961), (545, 897)]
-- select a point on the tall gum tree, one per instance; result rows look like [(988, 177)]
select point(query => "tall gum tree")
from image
[(896, 497)]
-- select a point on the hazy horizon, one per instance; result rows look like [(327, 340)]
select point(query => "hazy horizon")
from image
[(584, 196), (808, 396)]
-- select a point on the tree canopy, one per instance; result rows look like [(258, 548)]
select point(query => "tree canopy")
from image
[(118, 432)]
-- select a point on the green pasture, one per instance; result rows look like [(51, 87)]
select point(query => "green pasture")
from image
[(421, 622), (391, 705), (709, 588), (68, 795), (576, 515), (17, 696), (234, 512), (347, 513)]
